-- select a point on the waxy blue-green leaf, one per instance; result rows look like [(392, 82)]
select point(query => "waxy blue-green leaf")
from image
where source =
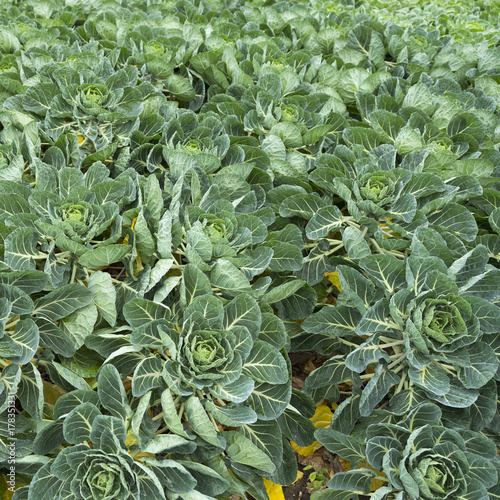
[(387, 270), (237, 391), (243, 310), (62, 302), (332, 372), (72, 400), (273, 331), (324, 220), (21, 248), (30, 391), (456, 219), (139, 311), (301, 205), (283, 291), (269, 401), (194, 283), (78, 424), (241, 450), (25, 338), (229, 278), (27, 281), (346, 446), (261, 257), (111, 392), (358, 480), (286, 257), (163, 443), (103, 295), (432, 378), (265, 364), (483, 366), (199, 421), (44, 486), (104, 256), (376, 389), (147, 376)]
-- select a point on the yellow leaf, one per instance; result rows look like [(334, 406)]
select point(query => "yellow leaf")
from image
[(334, 279), (51, 392), (300, 475), (274, 491), (80, 139), (321, 418), (131, 441), (5, 492)]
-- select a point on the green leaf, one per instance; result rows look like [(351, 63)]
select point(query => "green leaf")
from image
[(283, 291), (228, 277), (333, 320), (346, 446), (289, 133), (355, 244), (70, 377), (30, 391), (376, 389), (180, 88), (147, 376), (39, 97), (386, 123), (456, 219), (265, 364), (50, 437), (78, 424), (25, 337), (44, 485), (194, 283), (331, 372), (388, 270), (104, 256), (483, 410), (286, 257), (483, 366), (163, 443), (103, 295), (170, 416), (273, 331), (111, 391), (5, 309), (238, 391), (241, 450), (243, 310), (269, 401), (199, 421), (13, 204), (419, 96), (27, 281), (74, 399), (20, 248), (80, 324), (432, 378), (301, 205), (139, 311), (324, 220), (62, 302), (357, 480)]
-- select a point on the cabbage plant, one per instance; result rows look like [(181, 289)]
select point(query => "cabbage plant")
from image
[(417, 457)]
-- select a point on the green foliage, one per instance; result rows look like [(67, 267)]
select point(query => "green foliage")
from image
[(191, 190)]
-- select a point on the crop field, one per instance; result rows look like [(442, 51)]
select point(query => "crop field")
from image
[(249, 250)]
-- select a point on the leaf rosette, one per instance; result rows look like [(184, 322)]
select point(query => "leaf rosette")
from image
[(417, 457), (203, 358), (444, 324), (97, 475)]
